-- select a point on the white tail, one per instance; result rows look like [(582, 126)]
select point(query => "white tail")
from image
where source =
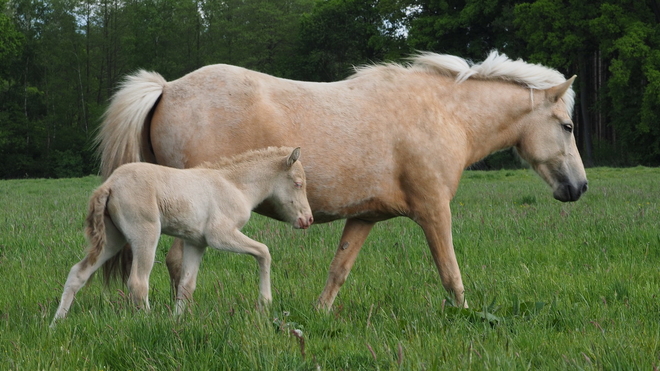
[(120, 139)]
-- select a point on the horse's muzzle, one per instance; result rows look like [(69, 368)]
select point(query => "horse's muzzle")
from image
[(568, 192)]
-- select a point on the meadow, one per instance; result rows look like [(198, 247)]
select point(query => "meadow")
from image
[(552, 286)]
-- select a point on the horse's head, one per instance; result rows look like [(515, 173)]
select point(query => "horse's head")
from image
[(548, 144), (289, 196)]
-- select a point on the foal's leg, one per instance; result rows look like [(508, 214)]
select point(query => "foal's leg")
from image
[(436, 224), (355, 233), (191, 258), (238, 242), (173, 262), (80, 273), (144, 241)]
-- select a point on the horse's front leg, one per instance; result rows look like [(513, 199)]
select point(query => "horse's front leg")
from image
[(352, 239), (436, 223)]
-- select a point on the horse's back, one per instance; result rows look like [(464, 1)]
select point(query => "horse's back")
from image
[(358, 136)]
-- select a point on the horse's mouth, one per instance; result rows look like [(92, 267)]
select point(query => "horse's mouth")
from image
[(567, 192)]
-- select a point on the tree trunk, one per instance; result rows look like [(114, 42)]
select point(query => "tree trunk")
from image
[(584, 112), (656, 9)]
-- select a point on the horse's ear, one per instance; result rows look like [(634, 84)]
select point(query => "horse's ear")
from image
[(553, 94), (293, 157)]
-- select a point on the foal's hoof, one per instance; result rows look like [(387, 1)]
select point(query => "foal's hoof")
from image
[(323, 307), (263, 307), (53, 323)]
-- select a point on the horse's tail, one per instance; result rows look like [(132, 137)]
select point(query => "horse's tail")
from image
[(124, 134)]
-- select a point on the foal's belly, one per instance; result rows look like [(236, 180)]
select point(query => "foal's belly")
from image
[(187, 233)]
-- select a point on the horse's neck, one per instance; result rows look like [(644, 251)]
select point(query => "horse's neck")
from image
[(493, 117)]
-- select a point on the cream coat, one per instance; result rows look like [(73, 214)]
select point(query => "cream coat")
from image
[(203, 206)]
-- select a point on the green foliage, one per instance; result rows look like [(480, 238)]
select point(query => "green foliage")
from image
[(469, 28), (550, 286), (626, 35), (68, 164), (61, 60), (340, 34), (10, 43)]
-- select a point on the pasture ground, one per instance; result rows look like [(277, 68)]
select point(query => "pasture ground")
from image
[(551, 286)]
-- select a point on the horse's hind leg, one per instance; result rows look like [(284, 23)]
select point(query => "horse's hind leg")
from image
[(144, 241), (80, 272), (352, 239), (191, 258)]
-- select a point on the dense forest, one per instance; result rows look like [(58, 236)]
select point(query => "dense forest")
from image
[(60, 60)]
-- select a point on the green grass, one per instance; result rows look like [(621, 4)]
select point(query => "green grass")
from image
[(563, 286)]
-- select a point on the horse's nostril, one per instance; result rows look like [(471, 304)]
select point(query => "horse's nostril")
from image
[(585, 187)]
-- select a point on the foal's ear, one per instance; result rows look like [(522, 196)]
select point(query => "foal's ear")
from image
[(293, 157), (554, 93)]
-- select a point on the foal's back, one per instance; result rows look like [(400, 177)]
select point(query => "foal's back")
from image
[(183, 202)]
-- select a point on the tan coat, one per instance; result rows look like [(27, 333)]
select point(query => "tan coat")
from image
[(405, 134)]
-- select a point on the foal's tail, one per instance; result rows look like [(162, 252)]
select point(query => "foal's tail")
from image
[(95, 223), (124, 132), (117, 267)]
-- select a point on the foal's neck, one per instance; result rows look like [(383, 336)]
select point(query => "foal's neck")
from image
[(254, 179)]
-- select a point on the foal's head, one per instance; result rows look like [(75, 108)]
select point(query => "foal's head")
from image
[(548, 144), (289, 195)]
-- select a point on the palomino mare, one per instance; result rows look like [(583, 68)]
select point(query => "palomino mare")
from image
[(391, 140), (204, 206)]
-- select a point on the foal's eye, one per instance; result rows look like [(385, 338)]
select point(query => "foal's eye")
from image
[(298, 184), (567, 127)]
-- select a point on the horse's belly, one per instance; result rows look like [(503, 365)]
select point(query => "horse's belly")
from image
[(350, 170)]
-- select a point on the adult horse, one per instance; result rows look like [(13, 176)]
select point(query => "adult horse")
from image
[(408, 132)]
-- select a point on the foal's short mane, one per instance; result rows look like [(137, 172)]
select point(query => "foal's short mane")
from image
[(495, 67), (246, 157)]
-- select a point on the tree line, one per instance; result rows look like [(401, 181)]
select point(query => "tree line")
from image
[(60, 60)]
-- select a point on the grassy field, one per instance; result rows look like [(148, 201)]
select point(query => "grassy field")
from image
[(551, 286)]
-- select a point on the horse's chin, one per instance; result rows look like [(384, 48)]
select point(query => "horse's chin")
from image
[(568, 192)]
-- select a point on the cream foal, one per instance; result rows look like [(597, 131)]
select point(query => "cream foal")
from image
[(204, 206)]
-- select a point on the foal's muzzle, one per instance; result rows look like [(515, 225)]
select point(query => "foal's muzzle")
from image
[(304, 222), (568, 192)]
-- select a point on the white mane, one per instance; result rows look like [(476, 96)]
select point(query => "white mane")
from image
[(495, 67)]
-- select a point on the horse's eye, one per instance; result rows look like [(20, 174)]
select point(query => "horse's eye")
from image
[(567, 127), (298, 184)]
